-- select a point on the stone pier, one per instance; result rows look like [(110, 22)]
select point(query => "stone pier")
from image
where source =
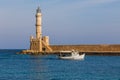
[(88, 49)]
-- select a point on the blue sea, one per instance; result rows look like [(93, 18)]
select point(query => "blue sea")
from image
[(48, 67)]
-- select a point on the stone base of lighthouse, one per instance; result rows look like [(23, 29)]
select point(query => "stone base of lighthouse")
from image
[(39, 45)]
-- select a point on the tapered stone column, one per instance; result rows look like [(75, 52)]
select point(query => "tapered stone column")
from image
[(38, 24)]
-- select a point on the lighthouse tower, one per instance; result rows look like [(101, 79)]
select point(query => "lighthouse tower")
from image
[(36, 43), (39, 43), (38, 24)]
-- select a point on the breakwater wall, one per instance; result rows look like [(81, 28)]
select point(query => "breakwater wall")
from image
[(102, 49)]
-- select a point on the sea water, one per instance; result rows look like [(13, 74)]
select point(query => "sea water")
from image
[(48, 67)]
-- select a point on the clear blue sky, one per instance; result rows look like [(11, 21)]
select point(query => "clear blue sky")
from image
[(65, 21)]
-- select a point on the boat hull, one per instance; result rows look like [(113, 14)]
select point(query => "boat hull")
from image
[(78, 57)]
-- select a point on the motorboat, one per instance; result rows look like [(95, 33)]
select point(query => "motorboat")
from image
[(73, 55)]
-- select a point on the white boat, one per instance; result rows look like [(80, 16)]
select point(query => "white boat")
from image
[(73, 55)]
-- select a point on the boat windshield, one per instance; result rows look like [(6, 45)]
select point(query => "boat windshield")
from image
[(66, 54)]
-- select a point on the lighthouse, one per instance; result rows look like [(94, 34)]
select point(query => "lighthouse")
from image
[(39, 43), (38, 23), (36, 43)]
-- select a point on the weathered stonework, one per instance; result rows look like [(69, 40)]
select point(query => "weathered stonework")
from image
[(39, 43), (87, 48)]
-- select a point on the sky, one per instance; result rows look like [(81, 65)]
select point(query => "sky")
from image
[(64, 21)]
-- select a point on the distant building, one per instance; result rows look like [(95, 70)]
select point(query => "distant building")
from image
[(39, 43)]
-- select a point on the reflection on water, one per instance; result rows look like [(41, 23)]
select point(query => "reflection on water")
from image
[(28, 67)]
